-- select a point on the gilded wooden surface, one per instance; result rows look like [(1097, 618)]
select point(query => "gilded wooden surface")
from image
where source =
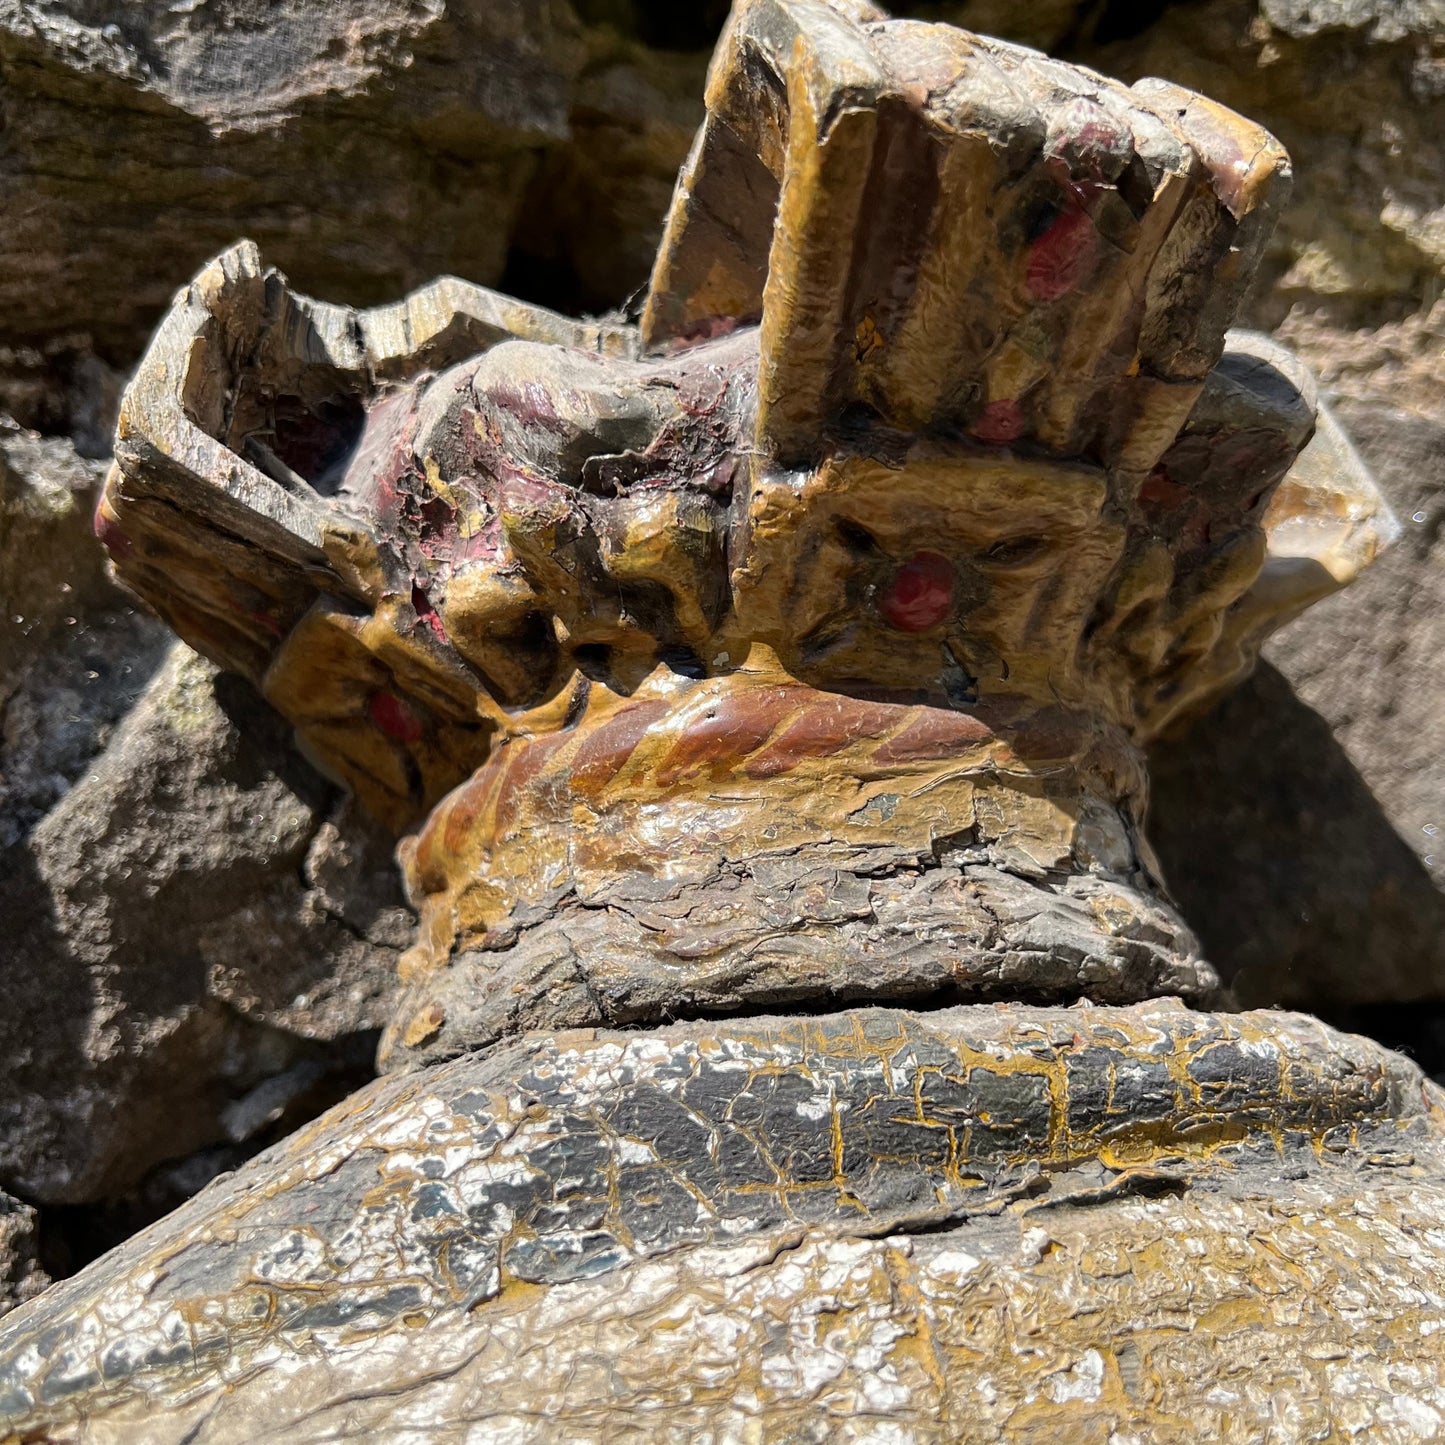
[(792, 646)]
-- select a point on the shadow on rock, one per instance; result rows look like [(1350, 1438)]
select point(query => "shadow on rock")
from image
[(1286, 864)]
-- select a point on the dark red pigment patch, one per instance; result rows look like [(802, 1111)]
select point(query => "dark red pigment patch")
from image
[(826, 727), (395, 718), (1161, 493), (934, 734), (421, 605), (709, 328), (314, 442), (529, 758), (1098, 135), (1174, 511), (1062, 255), (921, 595), (737, 725), (456, 819), (108, 532), (605, 752), (999, 423)]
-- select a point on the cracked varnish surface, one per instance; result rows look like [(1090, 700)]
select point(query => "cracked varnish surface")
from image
[(1144, 1321), (940, 1226)]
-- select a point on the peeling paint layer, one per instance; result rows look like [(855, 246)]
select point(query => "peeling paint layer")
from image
[(532, 1216)]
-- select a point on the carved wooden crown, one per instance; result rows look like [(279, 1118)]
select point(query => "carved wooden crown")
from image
[(929, 484), (931, 395)]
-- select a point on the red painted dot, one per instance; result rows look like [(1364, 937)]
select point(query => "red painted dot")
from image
[(1062, 255), (999, 423), (921, 595), (395, 718)]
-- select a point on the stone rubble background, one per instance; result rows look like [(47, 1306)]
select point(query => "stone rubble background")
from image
[(197, 934)]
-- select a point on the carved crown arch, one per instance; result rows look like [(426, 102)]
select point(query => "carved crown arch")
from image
[(229, 511)]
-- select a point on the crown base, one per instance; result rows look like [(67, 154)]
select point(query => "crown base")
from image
[(746, 843)]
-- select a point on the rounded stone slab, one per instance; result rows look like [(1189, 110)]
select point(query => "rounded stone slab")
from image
[(978, 1223)]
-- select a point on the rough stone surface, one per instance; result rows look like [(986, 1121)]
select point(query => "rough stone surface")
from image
[(586, 233), (373, 142), (1373, 668), (74, 651), (21, 1277), (975, 1224), (188, 926)]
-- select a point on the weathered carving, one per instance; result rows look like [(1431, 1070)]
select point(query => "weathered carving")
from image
[(926, 490), (794, 645)]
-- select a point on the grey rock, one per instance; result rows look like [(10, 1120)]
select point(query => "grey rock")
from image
[(1302, 824), (74, 652), (50, 566), (21, 1277), (786, 931), (369, 144), (198, 915), (588, 228), (1384, 20), (1370, 661)]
